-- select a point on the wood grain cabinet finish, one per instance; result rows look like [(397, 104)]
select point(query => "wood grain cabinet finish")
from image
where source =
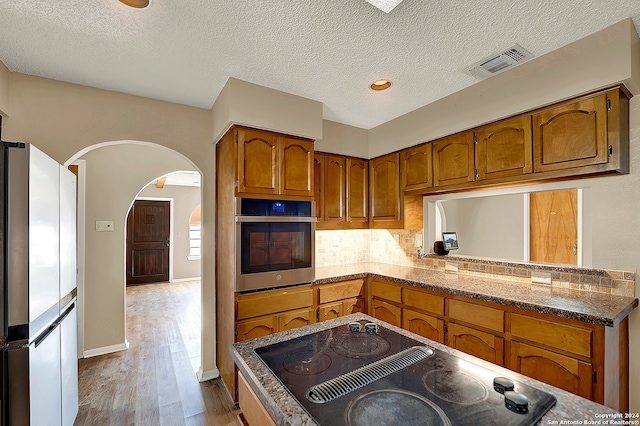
[(504, 148), (257, 161), (386, 312), (487, 346), (380, 289), (563, 337), (454, 160), (342, 199), (295, 319), (257, 327), (357, 200), (417, 167), (318, 186), (384, 192), (571, 135), (273, 164), (478, 315), (253, 411), (423, 325), (565, 372), (334, 188), (423, 301), (342, 298)]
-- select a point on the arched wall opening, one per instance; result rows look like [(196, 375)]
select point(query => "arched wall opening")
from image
[(111, 176)]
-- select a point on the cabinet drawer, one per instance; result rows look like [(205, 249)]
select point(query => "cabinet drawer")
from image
[(388, 291), (270, 302), (565, 337), (424, 301), (479, 315), (342, 290), (258, 327)]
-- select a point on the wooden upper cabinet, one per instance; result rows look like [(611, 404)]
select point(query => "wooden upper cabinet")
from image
[(296, 166), (504, 148), (318, 185), (453, 160), (273, 164), (385, 201), (571, 134), (334, 188), (357, 199), (257, 161), (417, 167)]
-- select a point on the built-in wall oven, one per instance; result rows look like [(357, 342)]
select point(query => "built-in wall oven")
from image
[(274, 243)]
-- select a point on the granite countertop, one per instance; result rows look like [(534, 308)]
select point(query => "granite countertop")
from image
[(285, 410), (590, 307)]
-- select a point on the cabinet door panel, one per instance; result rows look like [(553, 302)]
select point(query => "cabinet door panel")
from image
[(423, 301), (558, 370), (334, 186), (385, 188), (257, 162), (296, 166), (357, 199), (330, 311), (417, 167), (295, 319), (477, 343), (453, 160), (342, 290), (353, 306), (571, 135), (318, 185), (505, 148), (385, 312), (258, 327), (564, 337), (423, 325)]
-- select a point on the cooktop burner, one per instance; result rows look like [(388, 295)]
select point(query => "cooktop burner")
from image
[(394, 407), (455, 386), (436, 385)]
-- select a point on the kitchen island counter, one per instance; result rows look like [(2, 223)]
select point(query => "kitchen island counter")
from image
[(595, 308), (285, 410)]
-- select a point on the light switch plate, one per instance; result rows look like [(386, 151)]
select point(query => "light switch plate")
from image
[(104, 226), (418, 240)]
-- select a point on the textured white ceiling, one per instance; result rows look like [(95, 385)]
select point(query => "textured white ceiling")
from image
[(184, 51)]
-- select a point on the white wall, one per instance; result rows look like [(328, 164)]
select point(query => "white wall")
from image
[(115, 175), (185, 199), (343, 139), (490, 227)]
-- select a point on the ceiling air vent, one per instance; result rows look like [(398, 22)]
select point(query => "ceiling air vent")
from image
[(496, 63)]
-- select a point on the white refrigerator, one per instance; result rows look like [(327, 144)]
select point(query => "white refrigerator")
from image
[(38, 234)]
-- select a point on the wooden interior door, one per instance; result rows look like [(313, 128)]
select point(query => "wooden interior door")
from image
[(148, 240), (554, 227)]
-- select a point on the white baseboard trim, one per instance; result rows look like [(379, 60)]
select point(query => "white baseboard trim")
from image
[(203, 376), (181, 280), (106, 350)]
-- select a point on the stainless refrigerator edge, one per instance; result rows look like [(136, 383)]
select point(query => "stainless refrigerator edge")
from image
[(38, 235)]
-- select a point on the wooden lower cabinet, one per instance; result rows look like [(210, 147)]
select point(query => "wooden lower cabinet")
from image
[(330, 311), (567, 373), (253, 412), (258, 327), (475, 342), (295, 319), (386, 312), (423, 325)]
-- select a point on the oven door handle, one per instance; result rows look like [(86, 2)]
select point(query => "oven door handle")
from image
[(276, 219)]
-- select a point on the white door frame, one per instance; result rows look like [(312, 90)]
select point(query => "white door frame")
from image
[(80, 255)]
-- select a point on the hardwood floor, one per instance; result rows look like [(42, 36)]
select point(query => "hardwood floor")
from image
[(154, 381)]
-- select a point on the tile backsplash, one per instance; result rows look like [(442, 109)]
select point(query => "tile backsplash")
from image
[(397, 247)]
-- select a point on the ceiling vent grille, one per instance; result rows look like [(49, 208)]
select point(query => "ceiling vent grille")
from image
[(497, 63)]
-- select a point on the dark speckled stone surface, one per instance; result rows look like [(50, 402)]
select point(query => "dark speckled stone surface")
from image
[(287, 411), (595, 308)]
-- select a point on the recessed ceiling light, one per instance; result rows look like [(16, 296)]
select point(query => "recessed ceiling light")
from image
[(385, 5), (139, 4), (380, 85)]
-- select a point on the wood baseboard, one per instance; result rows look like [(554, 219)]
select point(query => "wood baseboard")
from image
[(106, 350)]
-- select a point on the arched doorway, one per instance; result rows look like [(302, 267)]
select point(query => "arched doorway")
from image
[(110, 176)]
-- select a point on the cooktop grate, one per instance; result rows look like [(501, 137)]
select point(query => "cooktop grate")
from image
[(363, 376)]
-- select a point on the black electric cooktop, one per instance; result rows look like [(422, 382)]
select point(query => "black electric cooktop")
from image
[(344, 377)]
